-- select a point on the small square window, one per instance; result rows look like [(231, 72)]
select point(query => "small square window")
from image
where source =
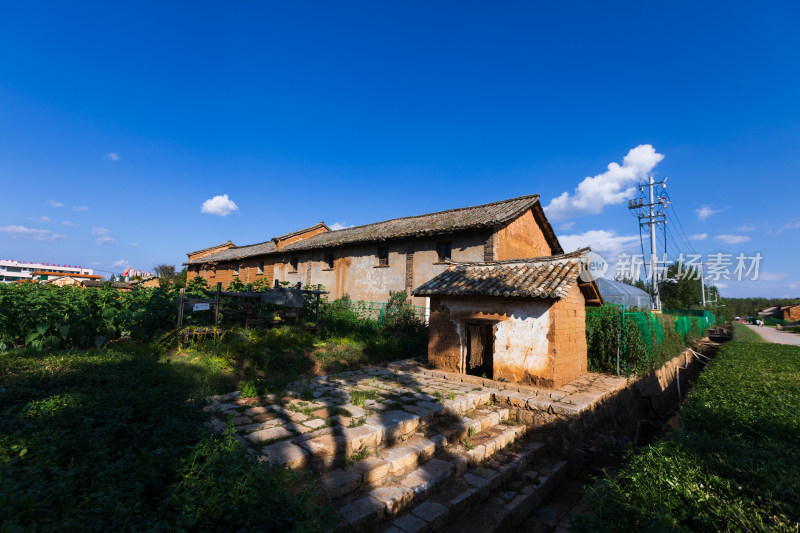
[(329, 261), (293, 262), (383, 256), (261, 267), (443, 250)]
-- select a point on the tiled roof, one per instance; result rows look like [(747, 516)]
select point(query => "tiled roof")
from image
[(239, 252), (211, 248), (101, 283), (301, 231), (537, 277), (442, 222)]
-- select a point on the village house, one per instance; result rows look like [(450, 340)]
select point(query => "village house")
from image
[(366, 262), (521, 320), (503, 299)]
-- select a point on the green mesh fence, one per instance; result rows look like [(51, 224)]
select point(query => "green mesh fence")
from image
[(638, 335), (378, 311)]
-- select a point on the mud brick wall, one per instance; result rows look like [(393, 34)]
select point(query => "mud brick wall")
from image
[(568, 337), (520, 239), (444, 341)]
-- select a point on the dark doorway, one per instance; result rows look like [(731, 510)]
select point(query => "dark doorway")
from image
[(480, 349)]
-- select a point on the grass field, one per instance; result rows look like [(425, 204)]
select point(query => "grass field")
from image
[(735, 465)]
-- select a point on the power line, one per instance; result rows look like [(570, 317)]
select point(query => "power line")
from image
[(680, 225)]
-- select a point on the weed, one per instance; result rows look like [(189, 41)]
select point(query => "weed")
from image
[(338, 410), (438, 395), (356, 422), (467, 444), (451, 395), (472, 431), (359, 396), (307, 394), (354, 458)]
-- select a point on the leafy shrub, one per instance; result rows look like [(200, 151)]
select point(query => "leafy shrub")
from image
[(39, 316)]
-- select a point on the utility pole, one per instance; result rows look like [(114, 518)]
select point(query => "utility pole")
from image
[(650, 214), (703, 284)]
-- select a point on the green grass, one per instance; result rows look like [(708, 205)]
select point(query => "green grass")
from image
[(744, 334), (267, 360), (105, 439), (736, 463)]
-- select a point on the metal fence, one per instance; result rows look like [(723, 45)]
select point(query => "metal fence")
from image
[(379, 311)]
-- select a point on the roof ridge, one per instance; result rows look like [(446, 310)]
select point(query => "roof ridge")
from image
[(299, 231), (453, 210), (212, 247)]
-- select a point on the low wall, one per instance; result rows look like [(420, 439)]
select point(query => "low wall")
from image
[(653, 397)]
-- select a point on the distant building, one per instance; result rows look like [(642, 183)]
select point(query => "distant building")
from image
[(11, 271), (148, 281)]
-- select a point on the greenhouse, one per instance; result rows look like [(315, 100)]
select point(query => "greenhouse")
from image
[(615, 292)]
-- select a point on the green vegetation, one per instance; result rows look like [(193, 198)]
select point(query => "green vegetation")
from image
[(749, 307), (645, 340), (735, 465), (104, 439), (745, 334)]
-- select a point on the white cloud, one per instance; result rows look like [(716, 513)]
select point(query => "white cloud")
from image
[(219, 205), (134, 244), (746, 227), (732, 239), (69, 224), (606, 243), (706, 211), (772, 276), (120, 263), (340, 225), (112, 156), (45, 219), (80, 208), (566, 226), (103, 236), (698, 237), (613, 186), (53, 203), (21, 232), (794, 224)]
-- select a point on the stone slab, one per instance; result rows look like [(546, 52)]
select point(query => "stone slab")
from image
[(393, 498), (285, 453), (432, 513)]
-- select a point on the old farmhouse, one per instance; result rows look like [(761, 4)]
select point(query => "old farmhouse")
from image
[(521, 320), (504, 301), (366, 262)]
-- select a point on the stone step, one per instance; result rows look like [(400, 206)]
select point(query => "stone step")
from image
[(329, 448), (408, 455), (463, 494), (509, 507), (397, 484)]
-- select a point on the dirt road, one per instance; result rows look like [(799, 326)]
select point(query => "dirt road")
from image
[(773, 335)]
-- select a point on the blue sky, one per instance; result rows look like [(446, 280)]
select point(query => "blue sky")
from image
[(118, 122)]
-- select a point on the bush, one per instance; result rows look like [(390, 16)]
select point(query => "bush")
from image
[(39, 316), (105, 440)]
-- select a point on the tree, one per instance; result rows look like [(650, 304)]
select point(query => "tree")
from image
[(166, 275), (112, 278)]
